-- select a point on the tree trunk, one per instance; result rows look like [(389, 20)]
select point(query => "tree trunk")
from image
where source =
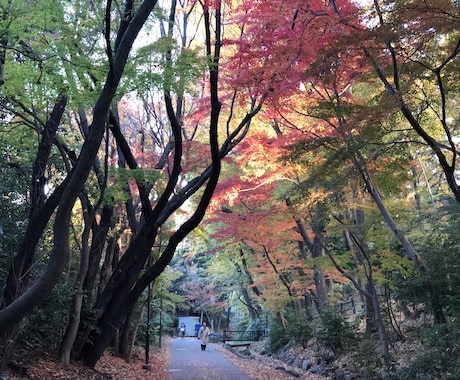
[(111, 259), (248, 275), (128, 336), (371, 326), (40, 212), (359, 162), (244, 292), (75, 316), (39, 215), (407, 246), (120, 297), (99, 237), (316, 248), (380, 325), (356, 243), (59, 256), (320, 283)]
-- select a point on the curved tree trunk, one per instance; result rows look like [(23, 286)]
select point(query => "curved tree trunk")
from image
[(125, 287), (17, 280), (74, 322), (316, 248), (59, 255), (39, 215)]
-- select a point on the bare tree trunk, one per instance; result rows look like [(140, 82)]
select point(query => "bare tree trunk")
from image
[(244, 292), (72, 328), (371, 326), (128, 336), (380, 325), (316, 248), (356, 243), (320, 282), (74, 323), (407, 246), (39, 215), (59, 256)]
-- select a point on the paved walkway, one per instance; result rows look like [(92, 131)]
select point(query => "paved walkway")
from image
[(188, 362)]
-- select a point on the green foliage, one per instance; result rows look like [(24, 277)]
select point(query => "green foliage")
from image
[(166, 66), (367, 362), (163, 302), (334, 332), (248, 326), (438, 357), (256, 325), (430, 365), (442, 337), (442, 285), (298, 332), (45, 327), (119, 178), (52, 48), (277, 337), (15, 169)]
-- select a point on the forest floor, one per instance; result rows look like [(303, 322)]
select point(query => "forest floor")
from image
[(259, 367)]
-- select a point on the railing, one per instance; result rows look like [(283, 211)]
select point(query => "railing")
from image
[(346, 306), (243, 335)]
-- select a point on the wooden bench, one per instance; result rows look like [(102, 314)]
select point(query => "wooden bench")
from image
[(239, 343)]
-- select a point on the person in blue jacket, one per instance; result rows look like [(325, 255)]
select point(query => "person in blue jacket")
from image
[(197, 328)]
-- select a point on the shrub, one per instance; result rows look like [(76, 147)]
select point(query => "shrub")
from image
[(277, 337), (298, 331), (440, 357), (45, 327), (367, 362), (334, 332), (255, 325)]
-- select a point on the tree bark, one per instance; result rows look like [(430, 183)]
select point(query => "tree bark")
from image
[(59, 255), (244, 292), (134, 259), (74, 322), (39, 215), (316, 248), (40, 210)]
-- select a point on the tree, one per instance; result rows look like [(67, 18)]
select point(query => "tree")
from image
[(414, 55), (128, 280), (64, 198)]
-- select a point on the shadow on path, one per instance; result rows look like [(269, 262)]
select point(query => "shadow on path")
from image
[(188, 362)]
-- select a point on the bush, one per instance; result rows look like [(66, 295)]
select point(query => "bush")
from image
[(334, 332), (45, 327), (298, 331), (367, 361), (430, 365), (440, 357), (277, 337)]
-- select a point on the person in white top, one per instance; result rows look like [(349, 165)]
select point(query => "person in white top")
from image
[(203, 335)]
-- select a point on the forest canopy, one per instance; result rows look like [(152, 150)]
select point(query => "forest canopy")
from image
[(266, 160)]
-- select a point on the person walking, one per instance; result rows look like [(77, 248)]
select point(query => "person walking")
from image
[(197, 329), (203, 335), (182, 330)]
